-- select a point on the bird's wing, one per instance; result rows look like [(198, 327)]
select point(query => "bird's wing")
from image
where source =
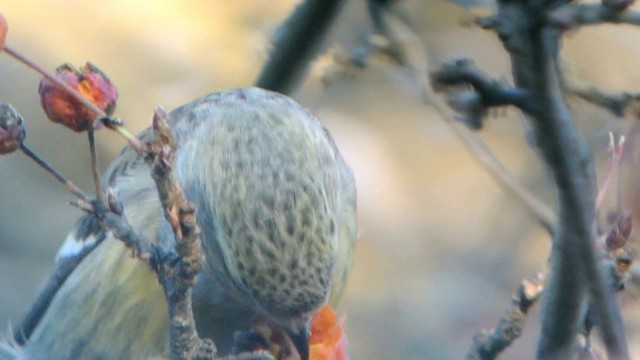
[(122, 177)]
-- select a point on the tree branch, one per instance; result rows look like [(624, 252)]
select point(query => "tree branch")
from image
[(488, 345), (177, 273), (492, 93), (569, 16), (574, 271), (175, 268), (412, 53), (616, 102), (299, 41)]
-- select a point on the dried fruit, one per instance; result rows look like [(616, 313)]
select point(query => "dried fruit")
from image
[(61, 107), (12, 130), (97, 87), (328, 340), (3, 31)]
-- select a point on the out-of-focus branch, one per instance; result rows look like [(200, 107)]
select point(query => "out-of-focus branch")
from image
[(571, 15), (489, 344), (619, 103), (480, 152), (533, 51), (413, 54), (298, 41), (491, 92), (574, 269), (615, 102)]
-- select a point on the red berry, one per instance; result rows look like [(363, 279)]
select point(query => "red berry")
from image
[(61, 107)]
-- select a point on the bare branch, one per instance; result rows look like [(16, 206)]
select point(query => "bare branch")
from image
[(414, 55), (73, 188), (176, 268), (480, 152), (492, 93), (574, 269), (94, 165), (100, 115), (299, 41), (177, 273), (489, 344), (572, 15), (616, 102), (142, 248)]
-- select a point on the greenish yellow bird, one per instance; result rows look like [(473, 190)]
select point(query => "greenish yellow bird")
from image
[(276, 205)]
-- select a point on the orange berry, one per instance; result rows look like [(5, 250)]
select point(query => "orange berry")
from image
[(61, 107)]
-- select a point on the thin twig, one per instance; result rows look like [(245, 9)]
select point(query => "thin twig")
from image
[(75, 190), (571, 15), (489, 344), (615, 102), (618, 103), (492, 93), (141, 247), (133, 141), (177, 277), (94, 165), (44, 72), (480, 152), (414, 54)]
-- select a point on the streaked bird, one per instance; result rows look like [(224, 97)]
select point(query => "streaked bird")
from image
[(276, 206)]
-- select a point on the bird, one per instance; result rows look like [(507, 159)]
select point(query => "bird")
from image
[(276, 204)]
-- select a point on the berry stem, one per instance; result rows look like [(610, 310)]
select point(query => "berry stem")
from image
[(133, 141), (75, 190), (94, 166), (44, 72)]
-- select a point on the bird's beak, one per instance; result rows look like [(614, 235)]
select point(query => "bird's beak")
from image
[(300, 338)]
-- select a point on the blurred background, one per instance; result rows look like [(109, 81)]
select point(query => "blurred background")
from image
[(441, 249)]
